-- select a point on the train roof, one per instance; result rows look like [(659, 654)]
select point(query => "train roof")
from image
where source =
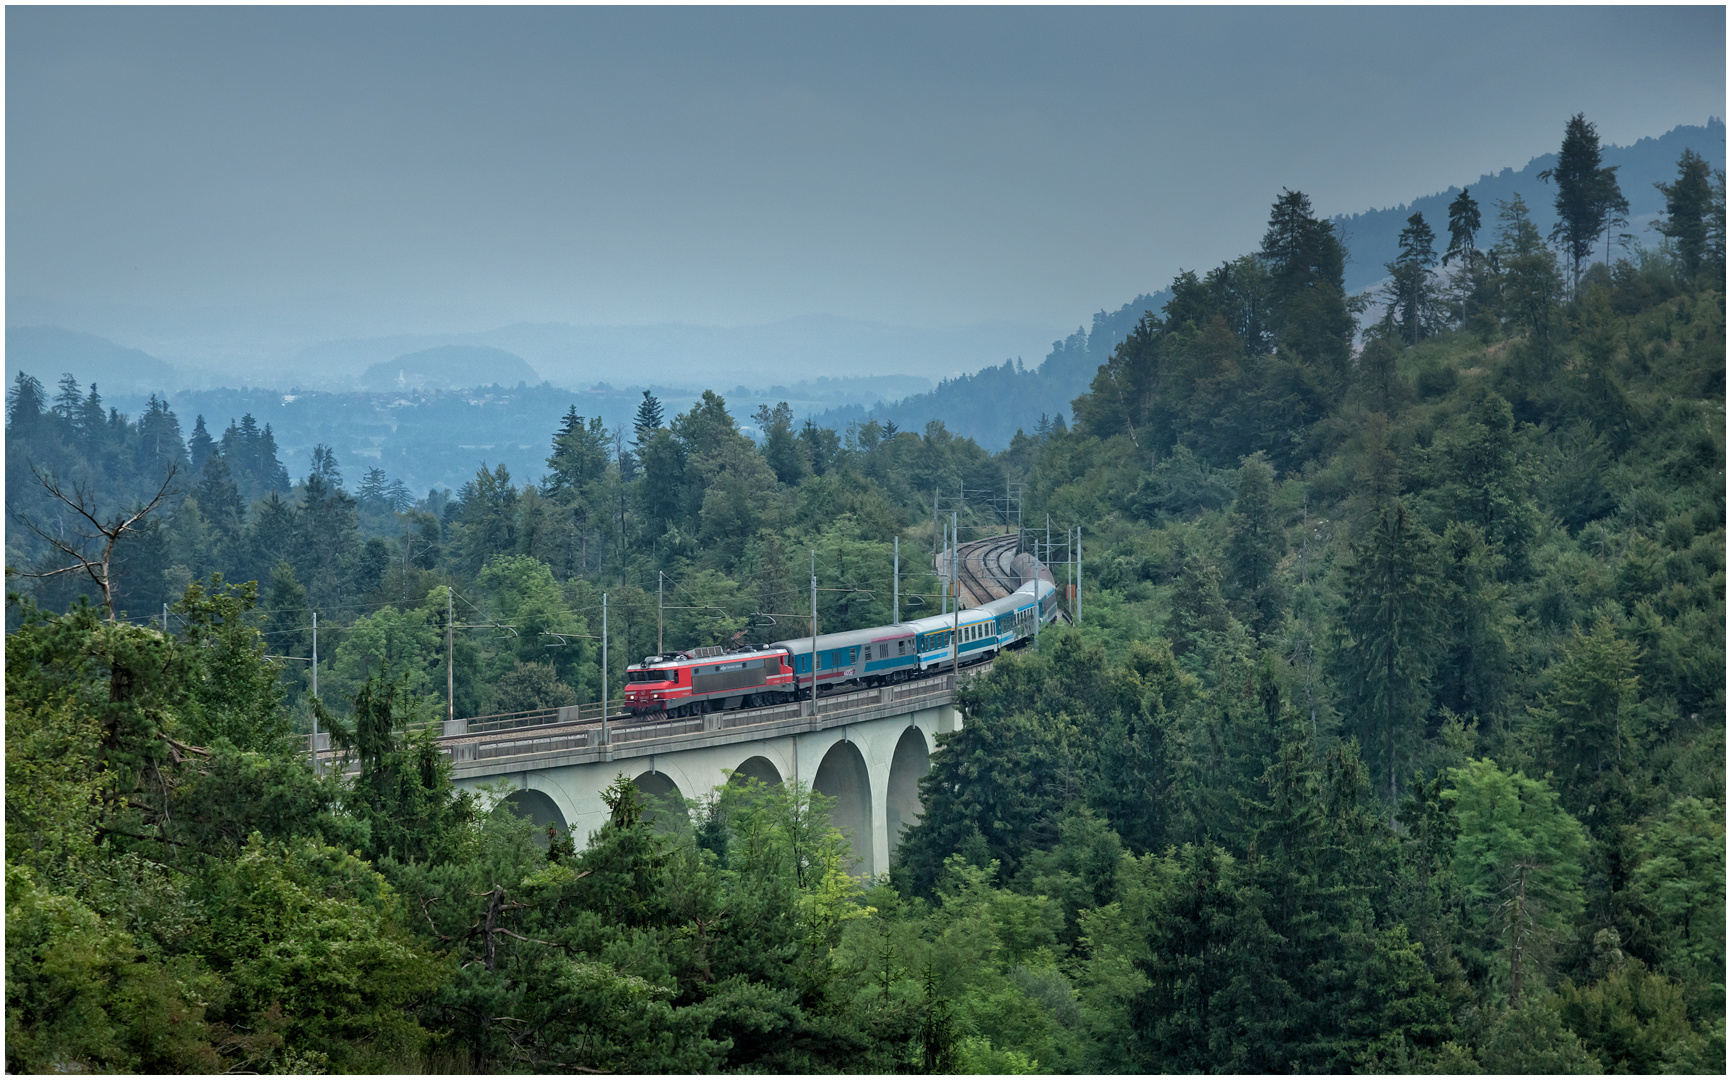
[(844, 639), (1021, 598), (708, 652)]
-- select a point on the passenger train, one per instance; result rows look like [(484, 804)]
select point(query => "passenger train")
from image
[(711, 678)]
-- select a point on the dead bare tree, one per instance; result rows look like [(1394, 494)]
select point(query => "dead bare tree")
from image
[(108, 531)]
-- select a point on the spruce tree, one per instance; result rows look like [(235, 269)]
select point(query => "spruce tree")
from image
[(1464, 223), (24, 404), (1387, 650), (1410, 292), (649, 418), (92, 420), (1255, 544), (201, 446), (275, 476), (1688, 212), (69, 402), (1587, 194), (160, 446)]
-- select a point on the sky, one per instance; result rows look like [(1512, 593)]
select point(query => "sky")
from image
[(928, 167)]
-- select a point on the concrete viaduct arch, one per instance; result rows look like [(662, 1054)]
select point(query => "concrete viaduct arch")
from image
[(871, 767)]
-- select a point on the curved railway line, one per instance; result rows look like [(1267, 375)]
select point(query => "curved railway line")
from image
[(984, 570)]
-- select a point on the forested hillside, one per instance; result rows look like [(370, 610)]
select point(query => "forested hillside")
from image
[(1391, 740), (992, 404)]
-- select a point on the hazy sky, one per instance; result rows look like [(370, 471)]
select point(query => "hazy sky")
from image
[(911, 165)]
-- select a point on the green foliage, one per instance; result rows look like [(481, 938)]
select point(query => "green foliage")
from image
[(1518, 857), (1391, 738)]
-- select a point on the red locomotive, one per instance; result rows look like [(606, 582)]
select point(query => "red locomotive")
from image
[(710, 679)]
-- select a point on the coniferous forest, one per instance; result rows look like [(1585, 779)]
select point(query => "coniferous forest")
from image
[(1392, 738)]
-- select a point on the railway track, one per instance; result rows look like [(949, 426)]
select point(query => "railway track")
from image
[(983, 569)]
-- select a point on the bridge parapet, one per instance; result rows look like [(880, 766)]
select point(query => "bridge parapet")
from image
[(865, 749), (519, 749)]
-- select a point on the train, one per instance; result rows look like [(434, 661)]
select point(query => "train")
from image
[(713, 678)]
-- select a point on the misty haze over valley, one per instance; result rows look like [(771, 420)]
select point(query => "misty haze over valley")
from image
[(429, 420)]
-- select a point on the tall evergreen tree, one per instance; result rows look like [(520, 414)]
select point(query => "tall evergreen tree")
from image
[(580, 454), (649, 417), (1255, 544), (1464, 223), (1587, 193), (1519, 856), (372, 487), (275, 475), (160, 445), (1389, 639), (781, 449), (92, 420), (25, 401), (1530, 282), (1688, 212), (1410, 291), (201, 446), (69, 402), (324, 466)]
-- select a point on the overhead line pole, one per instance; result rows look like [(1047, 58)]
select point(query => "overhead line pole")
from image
[(813, 631), (660, 589), (896, 589), (450, 667), (956, 610), (604, 732), (315, 688)]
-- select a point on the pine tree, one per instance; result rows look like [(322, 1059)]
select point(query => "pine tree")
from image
[(1473, 673), (271, 470), (1587, 194), (1410, 292), (24, 404), (371, 490), (1519, 856), (1464, 222), (1255, 544), (160, 445), (201, 446), (219, 500), (781, 449), (1688, 212), (1389, 639), (649, 418), (324, 466), (92, 420), (69, 402), (1484, 479), (580, 454), (1531, 285)]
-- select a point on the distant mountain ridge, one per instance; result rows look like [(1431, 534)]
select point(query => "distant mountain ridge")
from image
[(992, 403), (47, 352), (796, 349), (449, 367), (1372, 236)]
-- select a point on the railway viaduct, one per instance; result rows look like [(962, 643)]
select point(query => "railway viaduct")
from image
[(866, 749)]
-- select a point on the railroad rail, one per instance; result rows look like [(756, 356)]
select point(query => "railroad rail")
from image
[(983, 569), (627, 728)]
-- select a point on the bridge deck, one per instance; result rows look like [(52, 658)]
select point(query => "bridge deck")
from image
[(509, 742), (553, 744)]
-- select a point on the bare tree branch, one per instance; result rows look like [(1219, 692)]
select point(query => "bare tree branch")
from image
[(108, 533)]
